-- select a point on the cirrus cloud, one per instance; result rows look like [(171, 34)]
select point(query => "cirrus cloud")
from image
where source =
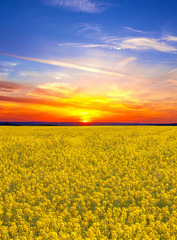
[(77, 5), (139, 43)]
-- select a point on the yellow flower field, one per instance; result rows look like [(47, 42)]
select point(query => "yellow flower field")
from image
[(92, 183)]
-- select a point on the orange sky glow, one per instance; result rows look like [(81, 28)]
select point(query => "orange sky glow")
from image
[(58, 101)]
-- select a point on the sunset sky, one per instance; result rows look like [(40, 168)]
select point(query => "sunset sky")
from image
[(88, 60)]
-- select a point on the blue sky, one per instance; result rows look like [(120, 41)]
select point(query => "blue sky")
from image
[(60, 50)]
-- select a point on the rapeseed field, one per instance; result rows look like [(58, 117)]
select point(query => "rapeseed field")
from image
[(93, 183)]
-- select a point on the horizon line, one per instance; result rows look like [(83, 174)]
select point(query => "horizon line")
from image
[(80, 123)]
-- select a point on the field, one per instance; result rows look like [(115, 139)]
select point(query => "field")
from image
[(92, 183)]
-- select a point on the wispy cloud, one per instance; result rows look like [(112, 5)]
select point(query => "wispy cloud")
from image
[(84, 27), (8, 64), (88, 6), (146, 43), (67, 65), (141, 43), (69, 45), (54, 75), (6, 86), (57, 89), (6, 68), (125, 61), (81, 45), (4, 74), (133, 29), (170, 38)]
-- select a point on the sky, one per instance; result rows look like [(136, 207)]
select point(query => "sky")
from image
[(88, 60)]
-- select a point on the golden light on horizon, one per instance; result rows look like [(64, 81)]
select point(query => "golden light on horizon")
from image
[(85, 117)]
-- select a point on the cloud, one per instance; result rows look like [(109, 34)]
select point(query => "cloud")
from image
[(8, 64), (171, 74), (133, 29), (146, 44), (54, 90), (94, 46), (81, 45), (84, 27), (88, 6), (125, 61), (172, 82), (6, 86), (75, 105), (54, 75), (170, 38), (66, 65), (140, 43), (6, 68), (5, 74), (170, 78)]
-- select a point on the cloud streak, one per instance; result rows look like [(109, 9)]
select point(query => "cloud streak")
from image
[(81, 45), (87, 6), (6, 68), (140, 44), (6, 86), (53, 75), (146, 44), (58, 89), (4, 74), (125, 61), (84, 27), (66, 65), (170, 38), (133, 29)]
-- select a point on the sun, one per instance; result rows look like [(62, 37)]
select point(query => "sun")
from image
[(85, 121)]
